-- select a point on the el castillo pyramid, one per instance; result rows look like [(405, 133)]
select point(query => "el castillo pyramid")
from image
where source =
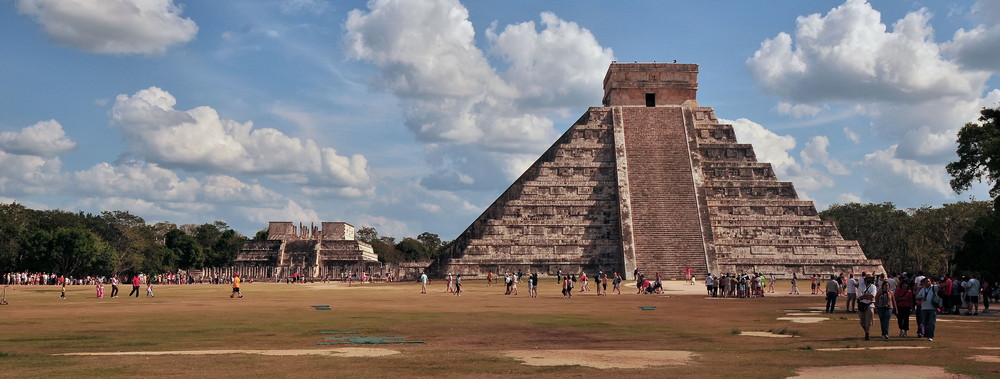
[(651, 181)]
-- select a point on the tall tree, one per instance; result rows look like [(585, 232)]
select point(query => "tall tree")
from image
[(14, 221), (73, 249), (979, 155)]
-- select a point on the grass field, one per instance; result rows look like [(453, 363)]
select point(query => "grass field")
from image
[(479, 334)]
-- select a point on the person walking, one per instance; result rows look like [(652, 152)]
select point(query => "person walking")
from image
[(458, 285), (135, 286), (832, 291), (904, 304), (236, 287), (795, 285), (852, 294), (114, 286), (929, 301), (866, 313), (885, 303), (971, 295), (617, 284), (149, 288), (423, 282)]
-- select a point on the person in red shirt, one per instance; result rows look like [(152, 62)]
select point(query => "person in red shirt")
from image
[(135, 286), (946, 292)]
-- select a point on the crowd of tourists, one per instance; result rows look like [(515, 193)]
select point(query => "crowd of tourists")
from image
[(741, 285), (903, 295), (51, 279)]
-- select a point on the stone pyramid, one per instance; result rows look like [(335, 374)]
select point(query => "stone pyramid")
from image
[(651, 182)]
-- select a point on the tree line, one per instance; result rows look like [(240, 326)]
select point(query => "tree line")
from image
[(110, 243), (426, 246), (928, 239)]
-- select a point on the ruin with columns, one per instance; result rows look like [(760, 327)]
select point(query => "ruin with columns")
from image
[(310, 251), (651, 181)]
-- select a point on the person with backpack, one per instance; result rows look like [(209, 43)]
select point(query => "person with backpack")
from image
[(929, 301)]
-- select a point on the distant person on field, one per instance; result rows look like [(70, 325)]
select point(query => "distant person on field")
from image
[(458, 285), (236, 286), (832, 291), (135, 286), (852, 293), (972, 287), (114, 286), (423, 282), (617, 283), (795, 285)]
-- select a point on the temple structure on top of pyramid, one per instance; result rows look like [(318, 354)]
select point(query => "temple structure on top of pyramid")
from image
[(651, 181)]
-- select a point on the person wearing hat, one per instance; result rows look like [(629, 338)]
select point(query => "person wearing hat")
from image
[(866, 313)]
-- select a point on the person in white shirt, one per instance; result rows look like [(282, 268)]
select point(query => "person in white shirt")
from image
[(866, 312), (971, 296), (927, 309)]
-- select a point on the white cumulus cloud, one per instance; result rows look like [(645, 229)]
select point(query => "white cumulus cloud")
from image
[(979, 48), (849, 54), (43, 139), (112, 26), (890, 178), (199, 140), (456, 102)]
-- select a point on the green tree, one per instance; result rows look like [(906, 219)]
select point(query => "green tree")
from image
[(412, 249), (366, 234), (14, 221), (186, 249), (225, 248), (980, 244), (880, 229), (935, 234), (261, 235), (73, 249), (432, 242), (978, 154)]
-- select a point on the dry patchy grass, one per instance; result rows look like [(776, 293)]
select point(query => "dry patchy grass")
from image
[(471, 335)]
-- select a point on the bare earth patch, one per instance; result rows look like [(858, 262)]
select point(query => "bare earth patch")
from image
[(874, 348), (804, 320), (814, 314), (341, 352), (765, 334), (602, 359), (985, 358), (897, 371)]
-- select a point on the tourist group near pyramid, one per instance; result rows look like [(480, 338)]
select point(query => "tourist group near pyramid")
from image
[(651, 181)]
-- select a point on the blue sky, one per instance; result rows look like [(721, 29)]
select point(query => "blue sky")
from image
[(413, 116)]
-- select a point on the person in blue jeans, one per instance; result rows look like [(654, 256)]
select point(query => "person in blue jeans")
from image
[(928, 310), (885, 302)]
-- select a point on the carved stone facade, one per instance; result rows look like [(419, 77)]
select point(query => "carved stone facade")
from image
[(651, 181), (309, 251)]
